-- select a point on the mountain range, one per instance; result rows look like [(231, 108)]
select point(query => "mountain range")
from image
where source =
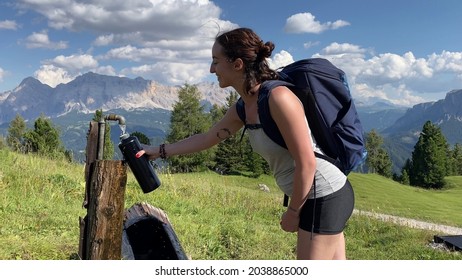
[(146, 106)]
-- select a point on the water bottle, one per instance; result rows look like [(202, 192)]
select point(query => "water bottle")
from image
[(138, 163)]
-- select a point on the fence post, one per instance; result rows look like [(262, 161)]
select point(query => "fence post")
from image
[(101, 229)]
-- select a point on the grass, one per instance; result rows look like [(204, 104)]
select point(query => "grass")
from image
[(215, 217)]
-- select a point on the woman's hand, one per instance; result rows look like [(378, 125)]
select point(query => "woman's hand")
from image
[(151, 151), (290, 221)]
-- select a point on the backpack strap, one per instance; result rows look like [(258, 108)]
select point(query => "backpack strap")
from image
[(268, 124)]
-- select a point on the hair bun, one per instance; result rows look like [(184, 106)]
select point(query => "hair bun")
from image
[(266, 50)]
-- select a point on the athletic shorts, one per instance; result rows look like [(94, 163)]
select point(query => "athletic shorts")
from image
[(330, 212)]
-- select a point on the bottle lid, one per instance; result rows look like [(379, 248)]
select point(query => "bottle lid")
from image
[(124, 136)]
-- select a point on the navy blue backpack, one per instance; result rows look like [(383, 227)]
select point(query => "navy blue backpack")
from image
[(329, 108)]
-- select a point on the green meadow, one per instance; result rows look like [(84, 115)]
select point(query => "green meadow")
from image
[(215, 217)]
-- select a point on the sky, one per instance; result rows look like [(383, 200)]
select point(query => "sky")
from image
[(401, 51)]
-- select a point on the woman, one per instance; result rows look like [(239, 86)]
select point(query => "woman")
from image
[(239, 60)]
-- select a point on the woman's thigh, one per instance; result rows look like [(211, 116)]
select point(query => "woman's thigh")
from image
[(320, 246)]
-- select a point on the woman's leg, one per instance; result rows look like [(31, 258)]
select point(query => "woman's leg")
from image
[(340, 253), (320, 246)]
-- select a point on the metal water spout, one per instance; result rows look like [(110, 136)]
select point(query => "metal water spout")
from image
[(114, 117), (102, 125)]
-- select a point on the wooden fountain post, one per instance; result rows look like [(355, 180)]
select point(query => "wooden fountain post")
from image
[(105, 182)]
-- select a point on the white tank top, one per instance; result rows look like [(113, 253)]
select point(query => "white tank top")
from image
[(328, 177)]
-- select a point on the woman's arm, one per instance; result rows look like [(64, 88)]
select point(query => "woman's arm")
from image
[(225, 128), (288, 113)]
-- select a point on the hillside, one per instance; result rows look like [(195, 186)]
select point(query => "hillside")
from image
[(146, 105), (41, 201)]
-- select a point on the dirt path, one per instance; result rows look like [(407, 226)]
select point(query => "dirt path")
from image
[(412, 223)]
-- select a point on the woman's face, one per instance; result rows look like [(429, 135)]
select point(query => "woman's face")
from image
[(222, 67)]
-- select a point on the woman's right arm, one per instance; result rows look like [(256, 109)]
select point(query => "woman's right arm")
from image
[(225, 128)]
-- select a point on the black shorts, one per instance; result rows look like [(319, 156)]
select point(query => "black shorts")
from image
[(331, 212)]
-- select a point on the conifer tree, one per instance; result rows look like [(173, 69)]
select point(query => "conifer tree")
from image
[(141, 137), (429, 158), (378, 160), (456, 158), (228, 156), (187, 119), (44, 139), (373, 143), (16, 130)]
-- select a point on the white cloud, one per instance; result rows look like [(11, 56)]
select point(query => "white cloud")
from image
[(155, 32), (280, 59), (171, 73), (52, 75), (63, 69), (153, 20), (308, 45), (41, 40), (104, 40), (401, 79), (2, 74), (61, 72), (8, 24), (336, 48), (307, 23), (74, 63)]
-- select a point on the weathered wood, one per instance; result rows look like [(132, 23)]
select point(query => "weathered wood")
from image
[(90, 153), (106, 210)]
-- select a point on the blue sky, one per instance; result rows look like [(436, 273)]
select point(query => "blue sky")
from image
[(405, 52)]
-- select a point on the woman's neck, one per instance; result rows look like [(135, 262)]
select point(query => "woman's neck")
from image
[(250, 96)]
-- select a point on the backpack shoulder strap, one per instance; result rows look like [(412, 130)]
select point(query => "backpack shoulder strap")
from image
[(268, 124), (240, 108)]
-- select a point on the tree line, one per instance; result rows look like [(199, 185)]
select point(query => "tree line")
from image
[(432, 158)]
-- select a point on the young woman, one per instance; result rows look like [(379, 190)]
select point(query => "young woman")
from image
[(239, 60)]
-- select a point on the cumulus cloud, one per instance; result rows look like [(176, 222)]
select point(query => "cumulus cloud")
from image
[(152, 20), (52, 75), (400, 79), (2, 74), (169, 41), (280, 59), (171, 73), (8, 24), (307, 23), (63, 69), (156, 32), (41, 40), (74, 63)]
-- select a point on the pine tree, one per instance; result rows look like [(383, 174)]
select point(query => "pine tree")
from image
[(187, 119), (378, 160), (384, 164), (429, 158), (373, 143), (44, 139), (457, 159), (229, 156), (16, 131), (141, 137)]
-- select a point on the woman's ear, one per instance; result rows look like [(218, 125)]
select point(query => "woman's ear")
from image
[(238, 64)]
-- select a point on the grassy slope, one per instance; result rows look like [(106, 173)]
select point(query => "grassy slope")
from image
[(215, 217)]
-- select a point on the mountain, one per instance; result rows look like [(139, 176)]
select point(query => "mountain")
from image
[(446, 113), (90, 92), (146, 106), (379, 115)]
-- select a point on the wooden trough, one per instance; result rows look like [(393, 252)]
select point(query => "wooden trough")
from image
[(148, 235)]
